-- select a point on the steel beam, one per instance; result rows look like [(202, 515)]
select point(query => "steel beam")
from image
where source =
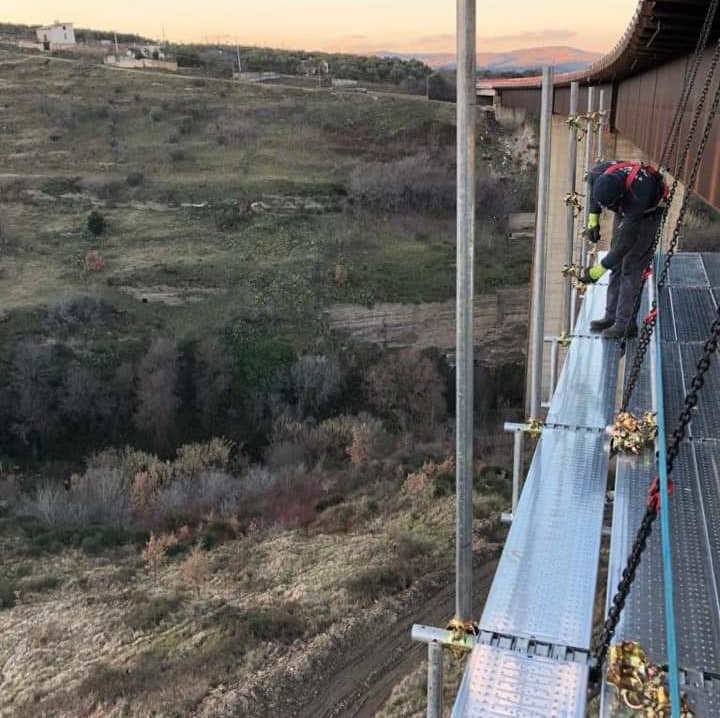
[(538, 288), (466, 101), (588, 166)]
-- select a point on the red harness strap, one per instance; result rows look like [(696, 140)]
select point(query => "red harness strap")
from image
[(635, 168)]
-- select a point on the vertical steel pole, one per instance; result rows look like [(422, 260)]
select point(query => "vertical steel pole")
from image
[(538, 288), (584, 250), (435, 680), (569, 314), (518, 440), (601, 128), (466, 101), (553, 366)]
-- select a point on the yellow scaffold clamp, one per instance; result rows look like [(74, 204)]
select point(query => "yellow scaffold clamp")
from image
[(572, 199), (565, 339), (534, 427), (641, 685), (577, 123), (630, 435), (463, 636), (573, 272)]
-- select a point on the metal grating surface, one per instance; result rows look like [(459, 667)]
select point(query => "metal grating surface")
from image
[(693, 311), (712, 268), (503, 684), (667, 326), (585, 393), (687, 270), (706, 416), (558, 523)]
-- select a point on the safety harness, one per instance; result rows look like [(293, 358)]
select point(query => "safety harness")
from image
[(635, 169)]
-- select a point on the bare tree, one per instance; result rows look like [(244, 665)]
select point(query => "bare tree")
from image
[(407, 388), (31, 394), (157, 397), (212, 375), (314, 380)]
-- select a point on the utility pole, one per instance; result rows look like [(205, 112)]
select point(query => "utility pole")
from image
[(601, 127), (238, 59), (569, 314), (537, 323), (117, 47), (466, 102)]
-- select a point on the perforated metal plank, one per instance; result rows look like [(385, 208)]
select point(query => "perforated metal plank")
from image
[(641, 398), (557, 525), (693, 311), (674, 389), (667, 325), (712, 268), (706, 415), (593, 307), (503, 684), (687, 270), (585, 392), (707, 458)]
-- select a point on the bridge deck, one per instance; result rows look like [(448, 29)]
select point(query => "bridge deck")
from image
[(537, 624)]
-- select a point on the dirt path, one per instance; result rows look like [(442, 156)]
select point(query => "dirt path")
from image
[(362, 680)]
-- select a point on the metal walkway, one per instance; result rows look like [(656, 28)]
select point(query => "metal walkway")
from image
[(689, 308), (530, 660), (537, 623)]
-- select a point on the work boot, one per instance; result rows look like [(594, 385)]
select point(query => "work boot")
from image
[(616, 332), (598, 325)]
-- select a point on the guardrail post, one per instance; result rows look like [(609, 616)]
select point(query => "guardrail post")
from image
[(518, 441), (466, 101), (584, 251), (538, 279), (569, 314), (601, 127), (435, 680)]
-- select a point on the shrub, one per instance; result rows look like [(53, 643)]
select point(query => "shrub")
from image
[(135, 178), (96, 223), (94, 261), (156, 114), (148, 614), (277, 623), (314, 381), (82, 310), (194, 458), (371, 584), (195, 568), (155, 552), (40, 584), (8, 591), (177, 155)]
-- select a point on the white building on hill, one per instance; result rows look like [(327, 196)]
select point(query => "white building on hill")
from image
[(59, 33)]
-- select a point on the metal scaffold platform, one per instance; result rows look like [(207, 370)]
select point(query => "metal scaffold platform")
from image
[(689, 306), (531, 657)]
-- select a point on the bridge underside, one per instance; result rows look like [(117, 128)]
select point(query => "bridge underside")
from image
[(537, 626)]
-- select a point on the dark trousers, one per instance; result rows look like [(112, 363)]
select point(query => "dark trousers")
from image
[(625, 280)]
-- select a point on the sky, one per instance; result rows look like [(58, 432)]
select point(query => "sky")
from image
[(343, 25)]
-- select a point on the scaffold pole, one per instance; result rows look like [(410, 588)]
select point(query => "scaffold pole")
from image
[(466, 102)]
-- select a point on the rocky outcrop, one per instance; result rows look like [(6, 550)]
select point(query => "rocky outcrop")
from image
[(500, 323)]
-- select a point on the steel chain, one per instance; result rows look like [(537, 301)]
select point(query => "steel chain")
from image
[(652, 510)]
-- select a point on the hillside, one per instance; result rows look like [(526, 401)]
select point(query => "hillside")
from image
[(564, 59), (183, 259)]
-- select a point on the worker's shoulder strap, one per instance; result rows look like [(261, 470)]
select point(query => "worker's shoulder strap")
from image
[(635, 168)]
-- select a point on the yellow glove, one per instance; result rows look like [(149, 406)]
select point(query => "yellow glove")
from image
[(597, 271), (593, 220)]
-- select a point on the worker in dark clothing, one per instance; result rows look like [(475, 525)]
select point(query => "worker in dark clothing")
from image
[(633, 191)]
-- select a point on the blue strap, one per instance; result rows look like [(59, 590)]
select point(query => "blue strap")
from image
[(673, 672)]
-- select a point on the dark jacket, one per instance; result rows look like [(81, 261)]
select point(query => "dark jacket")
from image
[(644, 195)]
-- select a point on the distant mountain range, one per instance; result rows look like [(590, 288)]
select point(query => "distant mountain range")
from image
[(565, 59)]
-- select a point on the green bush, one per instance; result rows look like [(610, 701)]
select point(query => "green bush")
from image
[(149, 614), (373, 583), (7, 593), (135, 178), (41, 584), (96, 223)]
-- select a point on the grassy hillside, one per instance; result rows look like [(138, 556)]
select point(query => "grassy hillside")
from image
[(170, 248), (232, 213)]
